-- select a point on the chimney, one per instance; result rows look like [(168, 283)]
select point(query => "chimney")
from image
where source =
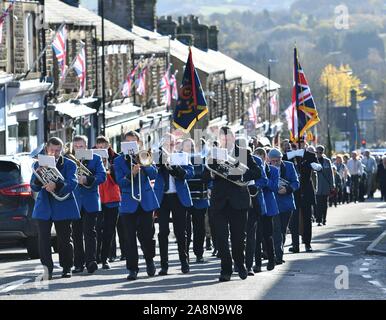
[(213, 38), (200, 32), (166, 26), (145, 14), (74, 3), (120, 12)]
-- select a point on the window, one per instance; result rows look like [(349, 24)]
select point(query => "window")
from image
[(30, 39)]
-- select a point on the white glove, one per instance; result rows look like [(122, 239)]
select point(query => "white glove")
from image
[(296, 153), (316, 166)]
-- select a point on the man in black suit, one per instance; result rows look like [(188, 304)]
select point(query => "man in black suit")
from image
[(230, 204), (381, 177)]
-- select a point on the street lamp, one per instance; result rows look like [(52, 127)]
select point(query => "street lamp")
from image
[(269, 95)]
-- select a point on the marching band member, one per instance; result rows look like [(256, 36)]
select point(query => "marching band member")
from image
[(88, 199), (173, 195), (258, 209), (137, 216), (49, 210), (285, 200), (199, 193), (110, 199), (230, 204)]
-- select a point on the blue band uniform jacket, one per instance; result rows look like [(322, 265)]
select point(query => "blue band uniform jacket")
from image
[(261, 183), (46, 206), (286, 202)]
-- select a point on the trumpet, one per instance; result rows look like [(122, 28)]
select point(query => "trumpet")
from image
[(224, 169), (46, 175), (143, 158), (82, 170)]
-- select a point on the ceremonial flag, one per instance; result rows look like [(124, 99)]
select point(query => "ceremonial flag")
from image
[(304, 114), (59, 46), (3, 16), (288, 115), (191, 105), (80, 69)]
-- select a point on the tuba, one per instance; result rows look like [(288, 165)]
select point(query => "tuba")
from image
[(47, 174)]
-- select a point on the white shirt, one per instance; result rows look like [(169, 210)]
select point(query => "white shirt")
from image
[(354, 167), (172, 185), (370, 164)]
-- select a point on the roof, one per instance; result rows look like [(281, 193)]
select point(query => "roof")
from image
[(233, 68), (74, 110), (181, 51), (57, 12)]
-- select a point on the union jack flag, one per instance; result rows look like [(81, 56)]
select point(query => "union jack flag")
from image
[(141, 87), (166, 88), (4, 16), (126, 88), (59, 46), (80, 69), (304, 114), (173, 82)]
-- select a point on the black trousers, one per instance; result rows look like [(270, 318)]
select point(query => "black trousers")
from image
[(139, 224), (212, 227), (65, 247), (354, 195), (197, 217), (85, 228), (233, 220), (280, 225), (172, 204), (252, 221), (106, 224), (306, 222), (264, 235), (321, 208), (121, 237)]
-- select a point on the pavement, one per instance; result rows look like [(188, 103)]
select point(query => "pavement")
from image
[(340, 267)]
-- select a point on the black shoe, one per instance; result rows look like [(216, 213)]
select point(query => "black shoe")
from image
[(132, 275), (208, 244), (163, 272), (243, 274), (150, 268), (92, 267), (214, 253), (279, 261), (185, 267), (112, 259), (250, 272), (319, 224), (236, 269), (270, 265), (123, 258), (294, 249), (224, 277), (200, 260), (78, 270), (66, 273), (257, 269), (324, 223), (308, 248), (106, 266)]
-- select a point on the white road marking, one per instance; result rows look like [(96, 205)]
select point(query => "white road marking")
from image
[(13, 285), (376, 283), (364, 269), (366, 276), (365, 264), (344, 246)]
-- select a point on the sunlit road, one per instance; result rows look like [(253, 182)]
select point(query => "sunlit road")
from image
[(339, 245)]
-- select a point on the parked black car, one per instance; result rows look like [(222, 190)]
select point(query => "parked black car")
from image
[(16, 203)]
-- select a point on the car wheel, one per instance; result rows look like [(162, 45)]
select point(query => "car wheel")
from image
[(33, 247)]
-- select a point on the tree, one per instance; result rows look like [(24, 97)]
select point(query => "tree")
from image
[(340, 82)]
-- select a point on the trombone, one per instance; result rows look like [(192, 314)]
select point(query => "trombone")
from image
[(143, 158)]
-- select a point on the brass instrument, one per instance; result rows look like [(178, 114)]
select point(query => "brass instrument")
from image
[(47, 174), (82, 170), (143, 158), (224, 169)]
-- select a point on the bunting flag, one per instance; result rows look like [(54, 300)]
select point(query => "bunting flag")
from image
[(191, 105), (141, 82), (173, 83), (274, 104), (80, 69), (4, 16), (166, 88), (126, 87), (304, 113), (59, 46), (253, 111), (288, 115)]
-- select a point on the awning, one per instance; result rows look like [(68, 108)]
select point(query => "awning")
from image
[(74, 110), (118, 129)]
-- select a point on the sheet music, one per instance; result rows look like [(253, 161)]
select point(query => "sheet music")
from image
[(84, 154), (179, 159), (130, 147), (103, 153), (46, 161), (220, 154)]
